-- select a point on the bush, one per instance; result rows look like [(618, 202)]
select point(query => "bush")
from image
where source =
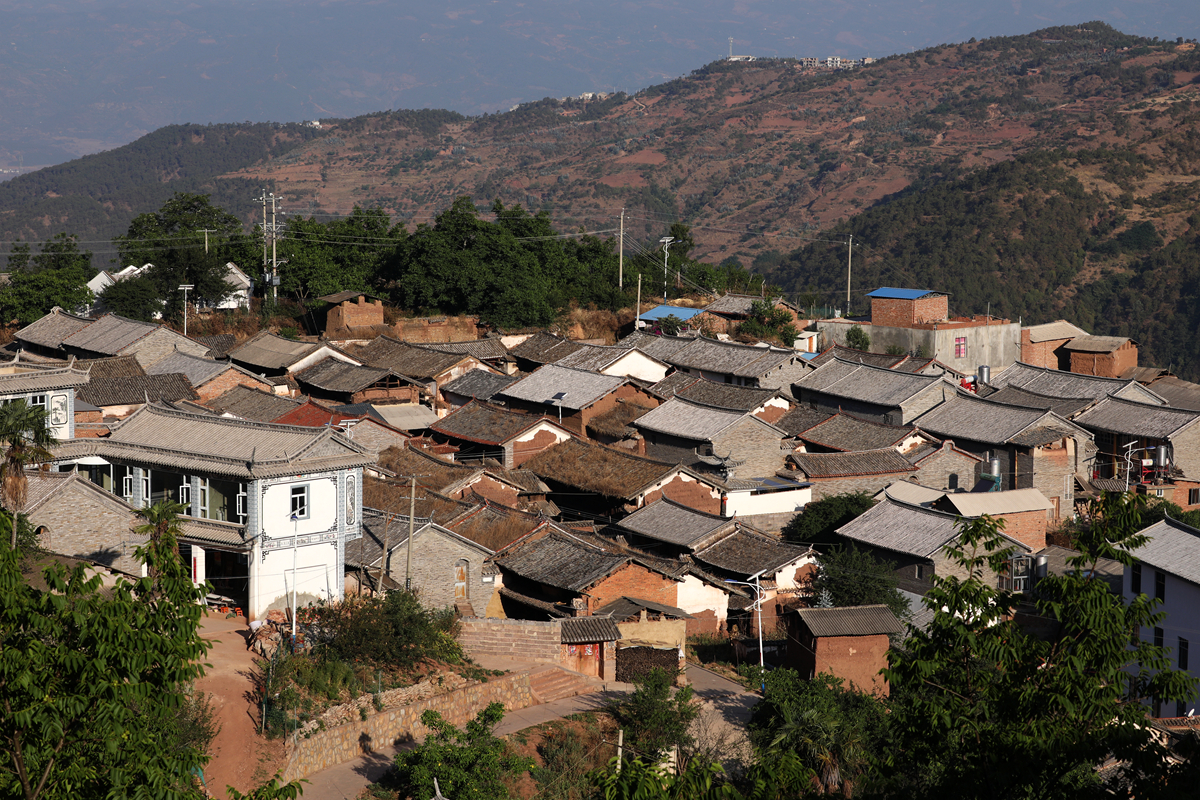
[(818, 521), (857, 338), (394, 630), (653, 720)]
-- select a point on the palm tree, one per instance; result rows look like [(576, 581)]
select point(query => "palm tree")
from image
[(833, 749), (163, 526), (26, 440)]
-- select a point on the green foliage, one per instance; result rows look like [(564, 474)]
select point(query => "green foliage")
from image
[(976, 694), (566, 764), (354, 253), (655, 721), (468, 764), (818, 521), (767, 321), (56, 276), (670, 325), (774, 776), (26, 440), (134, 298), (90, 680), (857, 338), (271, 790), (848, 576), (395, 630)]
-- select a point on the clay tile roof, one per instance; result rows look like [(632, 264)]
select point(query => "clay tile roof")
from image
[(685, 420), (486, 349), (267, 350), (1114, 415), (561, 561), (252, 404), (670, 385), (748, 553), (850, 621), (848, 433), (618, 421), (800, 419), (837, 351), (667, 521), (866, 384), (197, 369), (726, 395), (311, 415), (544, 348), (485, 424), (110, 334), (406, 359), (580, 389), (884, 461), (51, 330), (136, 389), (335, 375), (115, 367), (480, 384), (594, 468), (587, 630)]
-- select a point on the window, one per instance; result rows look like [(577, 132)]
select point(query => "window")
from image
[(1160, 585), (300, 502), (127, 487), (146, 500), (952, 481), (241, 502), (461, 570), (1135, 579), (1193, 496), (38, 401), (1182, 653), (960, 347), (351, 500), (1158, 637)]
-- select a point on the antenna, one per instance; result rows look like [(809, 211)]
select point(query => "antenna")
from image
[(730, 48)]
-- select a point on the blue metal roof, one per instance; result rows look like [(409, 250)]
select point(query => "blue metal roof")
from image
[(679, 312), (889, 293)]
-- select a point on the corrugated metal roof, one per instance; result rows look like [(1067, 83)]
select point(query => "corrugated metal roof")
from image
[(864, 383), (884, 461), (266, 350), (407, 416), (850, 621), (667, 521), (890, 293), (580, 389), (587, 630), (685, 420), (1172, 547), (1114, 415), (997, 504), (662, 312), (1054, 331)]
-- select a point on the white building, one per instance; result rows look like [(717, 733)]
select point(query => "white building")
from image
[(51, 389), (290, 498)]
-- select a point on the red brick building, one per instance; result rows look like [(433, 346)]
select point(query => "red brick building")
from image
[(1105, 356), (1042, 345), (849, 643), (904, 308)]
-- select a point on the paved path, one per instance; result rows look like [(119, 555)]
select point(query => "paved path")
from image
[(346, 781)]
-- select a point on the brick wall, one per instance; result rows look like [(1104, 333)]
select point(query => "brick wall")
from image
[(1054, 469), (513, 638), (437, 329), (857, 660), (1028, 527), (1043, 354), (1106, 365), (325, 748), (898, 313), (628, 392), (1185, 453), (358, 313), (84, 524), (634, 580), (494, 490), (688, 492), (228, 379), (1182, 493)]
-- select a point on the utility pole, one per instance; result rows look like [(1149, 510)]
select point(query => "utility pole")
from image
[(638, 308), (185, 287), (666, 243), (206, 233), (621, 254), (274, 261), (264, 227), (849, 251)]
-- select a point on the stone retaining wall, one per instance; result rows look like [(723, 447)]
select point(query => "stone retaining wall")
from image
[(321, 749), (512, 638)]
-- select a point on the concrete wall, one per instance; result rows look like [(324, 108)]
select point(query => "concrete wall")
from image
[(322, 749), (745, 504), (707, 603), (666, 632), (512, 638), (996, 344), (1181, 604)]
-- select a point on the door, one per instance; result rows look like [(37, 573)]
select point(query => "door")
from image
[(460, 580)]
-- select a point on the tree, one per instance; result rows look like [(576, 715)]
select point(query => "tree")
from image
[(135, 298), (56, 276), (26, 440), (976, 694), (162, 525), (654, 720), (848, 576), (180, 225), (469, 764), (818, 521), (90, 678), (773, 776), (857, 338)]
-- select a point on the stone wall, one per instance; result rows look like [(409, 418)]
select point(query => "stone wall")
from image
[(512, 638), (320, 749)]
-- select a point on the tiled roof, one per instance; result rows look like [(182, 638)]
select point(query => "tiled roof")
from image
[(800, 419), (480, 384), (407, 416), (884, 461), (965, 416), (866, 384), (218, 445), (670, 385), (378, 526), (661, 347), (748, 553), (726, 395), (618, 421), (902, 528), (110, 334), (853, 356), (115, 367), (667, 521), (311, 415), (625, 607), (1056, 383), (23, 378), (136, 389), (197, 369), (1038, 436), (1178, 392), (335, 375), (850, 621), (51, 330), (1114, 415), (487, 349), (406, 359), (1052, 331), (1172, 547), (560, 561), (544, 348), (581, 389), (736, 304), (267, 350), (723, 358), (596, 357), (593, 468), (847, 432), (1097, 344), (341, 297), (252, 404), (586, 630), (1015, 396), (218, 344), (436, 473), (686, 420), (485, 424)]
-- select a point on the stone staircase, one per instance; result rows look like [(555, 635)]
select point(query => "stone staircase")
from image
[(551, 683)]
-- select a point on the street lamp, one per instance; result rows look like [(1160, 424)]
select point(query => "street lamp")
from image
[(185, 287), (666, 242), (558, 401), (758, 607)]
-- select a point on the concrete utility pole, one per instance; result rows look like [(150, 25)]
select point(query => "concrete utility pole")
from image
[(638, 308), (621, 254), (666, 243), (185, 287), (412, 512), (270, 231), (849, 251), (206, 233)]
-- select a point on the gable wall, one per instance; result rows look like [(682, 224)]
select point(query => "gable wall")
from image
[(82, 525), (633, 580), (936, 470), (226, 380), (159, 344), (687, 491), (530, 443), (433, 558)]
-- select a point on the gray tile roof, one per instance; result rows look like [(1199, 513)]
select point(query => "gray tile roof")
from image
[(195, 443), (218, 344), (746, 554), (582, 388), (686, 420), (487, 349), (1056, 383), (197, 369), (24, 378), (661, 347), (625, 607), (137, 389), (1178, 392), (1136, 419), (739, 304), (253, 404), (850, 621), (1172, 547), (560, 561), (902, 528), (267, 350), (837, 351), (846, 432), (884, 461), (480, 384), (724, 358), (51, 330), (406, 359), (670, 385), (726, 395), (1016, 396), (965, 416), (110, 334), (593, 357), (335, 375), (586, 630), (115, 367), (800, 419), (667, 521), (341, 297), (544, 348), (1037, 436), (867, 384), (485, 424)]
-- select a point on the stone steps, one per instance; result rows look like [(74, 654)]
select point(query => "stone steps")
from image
[(554, 683)]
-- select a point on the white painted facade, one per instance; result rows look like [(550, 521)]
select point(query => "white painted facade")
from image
[(1181, 602), (750, 502), (636, 364), (696, 596)]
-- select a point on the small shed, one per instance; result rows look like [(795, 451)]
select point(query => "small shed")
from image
[(589, 645), (850, 643)]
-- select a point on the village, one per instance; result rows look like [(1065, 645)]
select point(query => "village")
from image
[(594, 506)]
